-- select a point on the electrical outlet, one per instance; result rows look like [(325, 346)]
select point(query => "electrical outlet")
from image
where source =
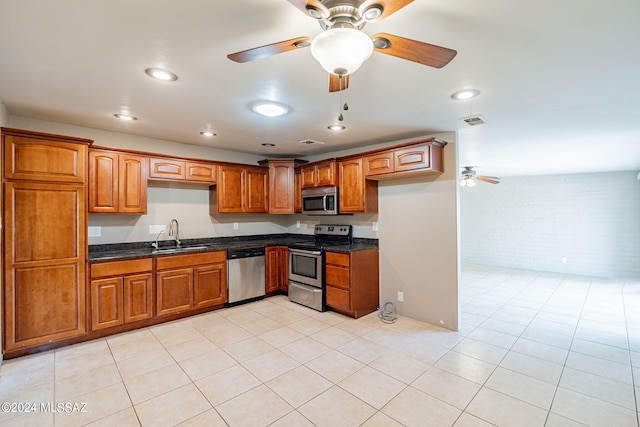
[(94, 232), (297, 224), (374, 227), (155, 229), (400, 296), (235, 226)]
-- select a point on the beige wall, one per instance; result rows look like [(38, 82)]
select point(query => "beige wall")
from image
[(419, 244)]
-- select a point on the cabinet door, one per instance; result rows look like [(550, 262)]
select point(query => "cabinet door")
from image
[(412, 158), (298, 192), (272, 270), (138, 297), (103, 182), (230, 189), (174, 291), (106, 303), (283, 268), (325, 174), (308, 177), (201, 172), (256, 188), (36, 158), (351, 186), (167, 169), (210, 285), (378, 164), (44, 262), (281, 187), (133, 184)]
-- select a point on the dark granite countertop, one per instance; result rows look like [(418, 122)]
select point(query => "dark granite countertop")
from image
[(122, 251)]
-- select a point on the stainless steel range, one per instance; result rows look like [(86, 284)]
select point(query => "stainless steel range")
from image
[(306, 264)]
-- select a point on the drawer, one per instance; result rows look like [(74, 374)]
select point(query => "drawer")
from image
[(120, 268), (174, 261), (378, 164), (338, 259), (338, 298), (337, 276)]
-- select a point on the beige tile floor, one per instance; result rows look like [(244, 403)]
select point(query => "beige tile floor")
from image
[(535, 349)]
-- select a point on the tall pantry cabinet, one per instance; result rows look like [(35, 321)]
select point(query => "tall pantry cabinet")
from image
[(44, 238)]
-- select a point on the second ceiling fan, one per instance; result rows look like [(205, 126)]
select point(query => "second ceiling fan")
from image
[(342, 47)]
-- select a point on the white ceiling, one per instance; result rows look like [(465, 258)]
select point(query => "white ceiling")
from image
[(558, 79)]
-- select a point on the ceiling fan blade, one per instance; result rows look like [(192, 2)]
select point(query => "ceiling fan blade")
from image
[(311, 5), (412, 50), (335, 85), (489, 179), (389, 7), (269, 50)]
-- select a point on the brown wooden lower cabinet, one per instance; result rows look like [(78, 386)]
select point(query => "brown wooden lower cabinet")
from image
[(186, 282), (121, 292), (276, 269), (174, 290), (352, 282)]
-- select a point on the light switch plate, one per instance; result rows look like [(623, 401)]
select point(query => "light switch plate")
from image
[(94, 231)]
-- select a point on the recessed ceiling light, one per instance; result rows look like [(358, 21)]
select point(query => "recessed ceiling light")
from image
[(270, 109), (268, 144), (336, 127), (207, 133), (160, 74), (465, 94), (126, 117)]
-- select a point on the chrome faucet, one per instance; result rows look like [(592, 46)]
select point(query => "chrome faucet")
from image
[(177, 231)]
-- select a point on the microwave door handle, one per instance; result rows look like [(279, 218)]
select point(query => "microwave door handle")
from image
[(324, 202)]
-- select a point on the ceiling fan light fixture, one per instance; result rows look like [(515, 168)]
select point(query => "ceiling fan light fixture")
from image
[(467, 182), (341, 51), (270, 109), (465, 94)]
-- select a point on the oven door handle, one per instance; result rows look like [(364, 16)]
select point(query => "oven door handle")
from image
[(303, 252)]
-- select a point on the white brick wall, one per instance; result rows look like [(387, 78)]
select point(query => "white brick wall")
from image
[(532, 222)]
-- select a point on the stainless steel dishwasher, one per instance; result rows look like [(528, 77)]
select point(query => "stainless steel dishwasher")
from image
[(245, 274)]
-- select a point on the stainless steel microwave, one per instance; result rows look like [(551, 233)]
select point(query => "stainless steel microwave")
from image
[(320, 201)]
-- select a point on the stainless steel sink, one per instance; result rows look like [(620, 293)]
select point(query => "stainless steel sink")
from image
[(179, 250)]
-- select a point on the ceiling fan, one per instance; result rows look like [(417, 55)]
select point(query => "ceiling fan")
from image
[(342, 47), (469, 177)]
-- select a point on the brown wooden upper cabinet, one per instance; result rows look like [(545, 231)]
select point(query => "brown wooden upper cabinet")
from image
[(41, 157), (239, 189), (424, 157), (117, 182), (356, 194), (283, 189), (164, 169), (319, 174)]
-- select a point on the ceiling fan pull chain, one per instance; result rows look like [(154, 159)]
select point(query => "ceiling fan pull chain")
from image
[(340, 117)]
